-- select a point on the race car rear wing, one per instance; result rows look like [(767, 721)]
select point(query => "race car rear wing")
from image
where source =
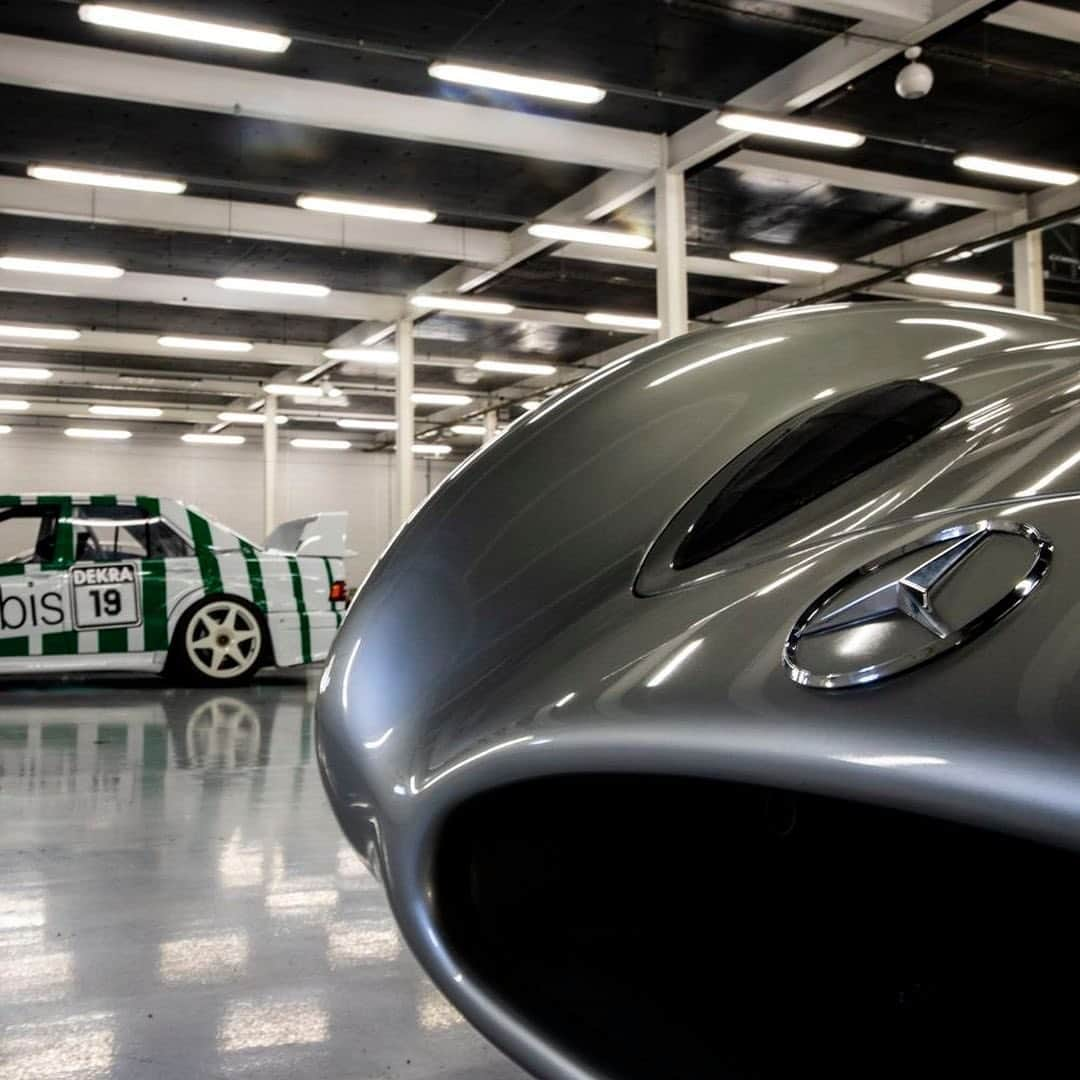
[(319, 534)]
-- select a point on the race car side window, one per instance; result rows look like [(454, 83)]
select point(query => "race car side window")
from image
[(116, 533), (28, 534)]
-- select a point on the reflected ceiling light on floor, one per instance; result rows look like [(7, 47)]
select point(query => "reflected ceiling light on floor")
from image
[(582, 235), (431, 449), (39, 333), (297, 390), (284, 288), (206, 344), (462, 304), (556, 89), (437, 397), (359, 424), (791, 129), (136, 412), (474, 430), (106, 434), (25, 374), (65, 174), (385, 357), (1035, 173), (320, 444), (210, 33), (628, 322), (785, 262), (952, 283), (212, 440), (515, 367), (257, 418), (13, 405), (57, 266), (352, 208)]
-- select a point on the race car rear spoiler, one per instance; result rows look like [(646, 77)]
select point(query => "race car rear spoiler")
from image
[(319, 534)]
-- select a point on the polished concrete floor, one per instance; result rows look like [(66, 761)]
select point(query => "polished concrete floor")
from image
[(176, 900)]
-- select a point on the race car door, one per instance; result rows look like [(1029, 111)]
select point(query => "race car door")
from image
[(35, 551), (118, 593)]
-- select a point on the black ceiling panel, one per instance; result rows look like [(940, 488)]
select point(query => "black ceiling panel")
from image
[(205, 256), (679, 49), (290, 159)]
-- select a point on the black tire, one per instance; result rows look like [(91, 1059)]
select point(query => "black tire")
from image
[(220, 641)]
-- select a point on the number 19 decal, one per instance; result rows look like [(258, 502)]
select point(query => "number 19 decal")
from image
[(105, 596)]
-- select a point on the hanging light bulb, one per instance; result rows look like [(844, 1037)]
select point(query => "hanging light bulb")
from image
[(916, 78)]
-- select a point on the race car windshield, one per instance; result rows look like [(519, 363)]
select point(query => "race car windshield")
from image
[(809, 455)]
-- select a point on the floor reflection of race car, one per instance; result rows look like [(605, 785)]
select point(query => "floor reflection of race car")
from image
[(106, 582)]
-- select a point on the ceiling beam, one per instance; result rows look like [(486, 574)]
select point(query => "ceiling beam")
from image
[(759, 163), (1046, 20), (256, 221), (185, 291), (181, 84)]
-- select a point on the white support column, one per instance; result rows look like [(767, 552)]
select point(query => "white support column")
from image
[(671, 283), (405, 425), (270, 447), (1028, 273), (491, 422)]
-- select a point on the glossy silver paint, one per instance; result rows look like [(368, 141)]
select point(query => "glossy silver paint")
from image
[(500, 637)]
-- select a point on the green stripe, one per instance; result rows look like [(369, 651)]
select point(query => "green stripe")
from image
[(298, 596), (62, 643), (12, 569), (64, 551), (330, 583), (113, 639), (208, 561), (255, 578), (155, 617), (15, 646), (103, 500), (10, 500)]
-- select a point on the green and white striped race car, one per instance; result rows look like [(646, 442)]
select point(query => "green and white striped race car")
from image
[(115, 583)]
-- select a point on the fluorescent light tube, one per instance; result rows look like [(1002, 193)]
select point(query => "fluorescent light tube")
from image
[(57, 266), (249, 418), (364, 209), (25, 374), (627, 322), (791, 129), (363, 356), (284, 288), (13, 405), (431, 449), (582, 235), (952, 283), (320, 444), (785, 262), (141, 412), (367, 425), (434, 397), (212, 440), (206, 344), (469, 429), (1035, 173), (64, 174), (514, 367), (5, 429), (556, 89), (210, 33), (110, 434), (529, 406), (461, 303), (297, 390), (42, 333)]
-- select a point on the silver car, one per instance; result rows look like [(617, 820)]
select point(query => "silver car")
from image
[(720, 719)]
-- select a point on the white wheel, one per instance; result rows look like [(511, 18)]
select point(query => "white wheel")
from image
[(223, 641)]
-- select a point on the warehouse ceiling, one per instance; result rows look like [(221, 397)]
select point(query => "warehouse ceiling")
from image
[(250, 132)]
